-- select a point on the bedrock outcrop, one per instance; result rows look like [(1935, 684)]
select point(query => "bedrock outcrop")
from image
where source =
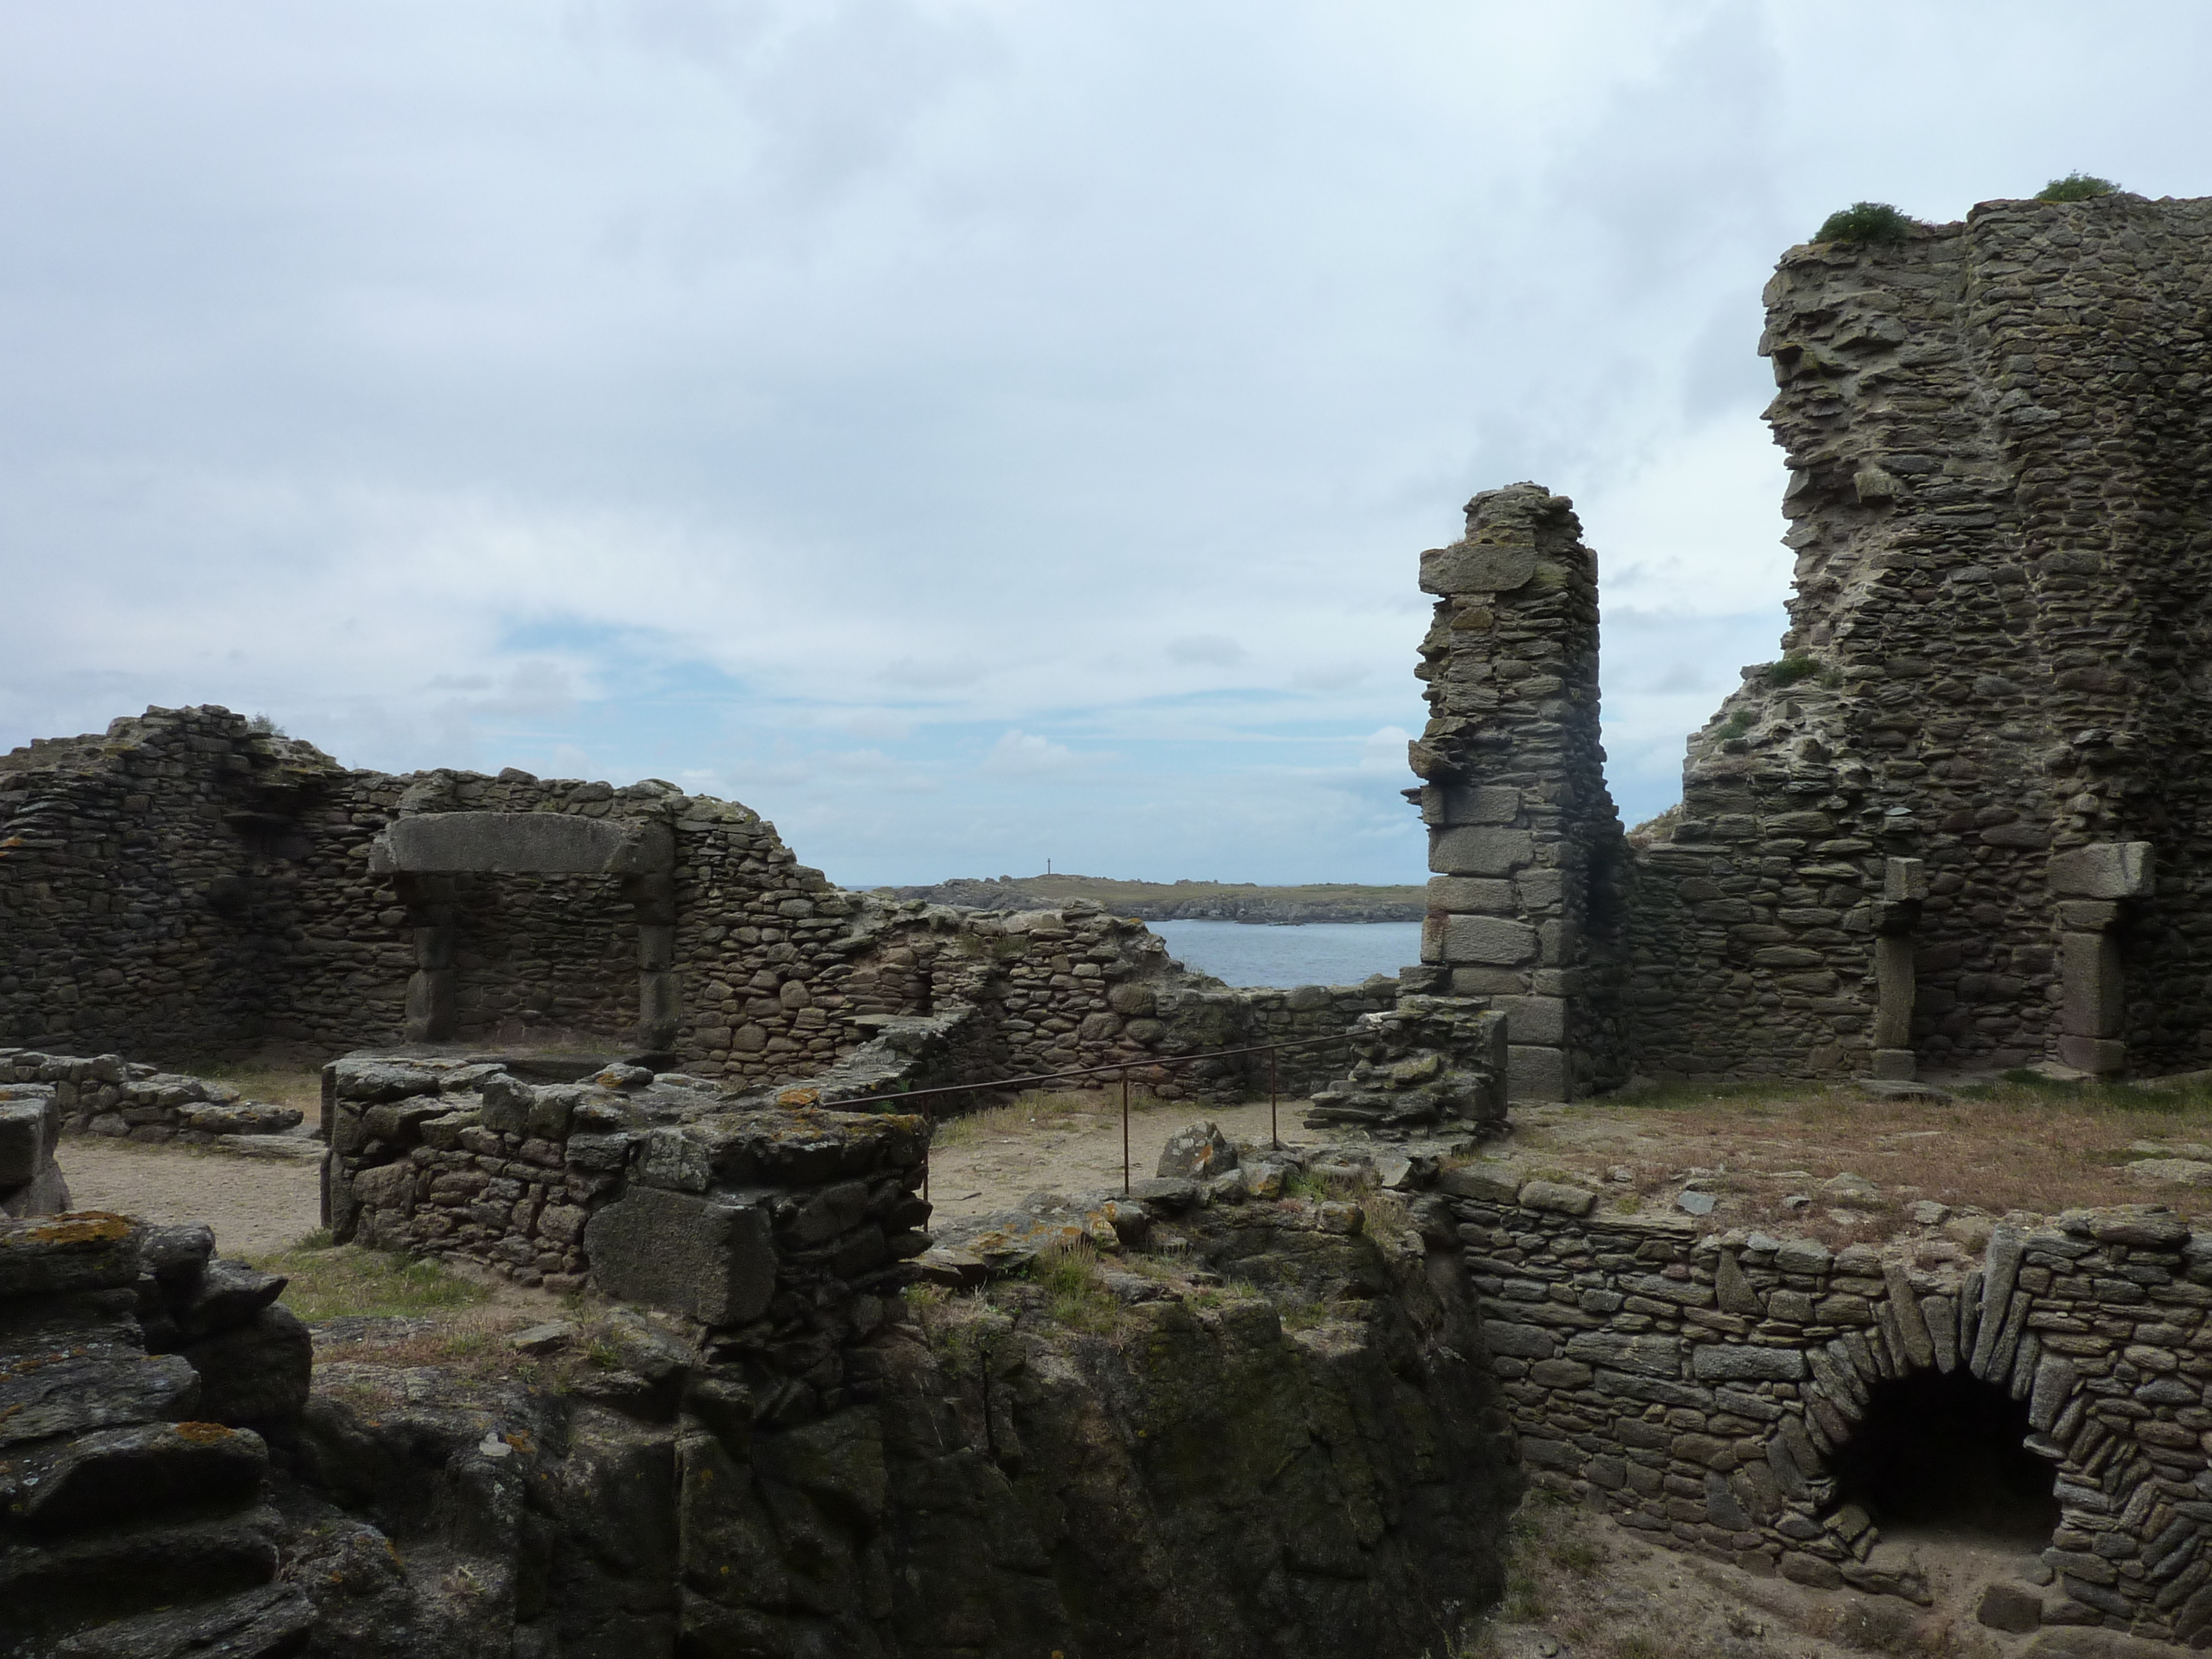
[(1268, 1438)]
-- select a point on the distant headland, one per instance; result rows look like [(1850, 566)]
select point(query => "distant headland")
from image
[(1185, 901)]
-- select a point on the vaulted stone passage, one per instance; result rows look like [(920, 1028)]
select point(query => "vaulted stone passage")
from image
[(1939, 1451)]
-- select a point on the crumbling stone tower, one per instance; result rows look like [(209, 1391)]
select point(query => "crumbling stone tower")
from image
[(1987, 733), (1522, 832), (1965, 819)]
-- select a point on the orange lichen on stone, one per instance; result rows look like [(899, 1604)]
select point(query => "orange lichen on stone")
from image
[(77, 1227), (201, 1434)]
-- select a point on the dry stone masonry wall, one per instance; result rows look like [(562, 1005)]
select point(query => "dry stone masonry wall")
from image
[(1998, 442), (1701, 1387), (1961, 823), (188, 885), (1522, 831)]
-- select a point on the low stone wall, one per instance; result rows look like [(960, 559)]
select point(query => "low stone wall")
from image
[(661, 1189), (1078, 988), (108, 1095), (1699, 1386)]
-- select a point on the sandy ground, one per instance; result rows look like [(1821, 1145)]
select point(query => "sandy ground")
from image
[(255, 1205), (1618, 1595)]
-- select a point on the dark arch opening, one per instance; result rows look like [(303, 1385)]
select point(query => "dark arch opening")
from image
[(1938, 1450)]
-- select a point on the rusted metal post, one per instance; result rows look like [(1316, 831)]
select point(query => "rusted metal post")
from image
[(928, 1134), (1125, 1131), (1272, 1134)]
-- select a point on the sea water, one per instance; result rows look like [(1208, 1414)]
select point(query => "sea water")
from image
[(1313, 953)]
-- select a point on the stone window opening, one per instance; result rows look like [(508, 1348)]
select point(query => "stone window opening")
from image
[(432, 858), (1945, 1452)]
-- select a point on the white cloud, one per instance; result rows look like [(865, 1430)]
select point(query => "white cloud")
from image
[(747, 386)]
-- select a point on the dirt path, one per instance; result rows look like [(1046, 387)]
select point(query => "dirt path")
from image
[(255, 1205)]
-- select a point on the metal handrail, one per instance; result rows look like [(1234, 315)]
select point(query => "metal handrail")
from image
[(996, 1085)]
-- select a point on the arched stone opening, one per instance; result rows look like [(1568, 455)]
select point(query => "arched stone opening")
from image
[(1945, 1451)]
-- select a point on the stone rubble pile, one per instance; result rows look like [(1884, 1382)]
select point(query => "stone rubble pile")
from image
[(108, 1095), (1426, 1065)]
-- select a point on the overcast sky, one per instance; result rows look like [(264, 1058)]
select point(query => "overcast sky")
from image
[(971, 432)]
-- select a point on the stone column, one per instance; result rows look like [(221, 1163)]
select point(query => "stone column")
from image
[(2091, 885), (432, 1008), (652, 895), (1896, 919), (1515, 797)]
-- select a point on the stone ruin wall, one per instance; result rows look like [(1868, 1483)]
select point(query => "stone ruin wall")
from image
[(1698, 1387), (1962, 822), (186, 886), (1999, 447), (1522, 831)]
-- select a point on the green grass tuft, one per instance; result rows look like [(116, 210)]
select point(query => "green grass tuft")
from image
[(2076, 187), (1872, 222), (336, 1281), (1791, 670)]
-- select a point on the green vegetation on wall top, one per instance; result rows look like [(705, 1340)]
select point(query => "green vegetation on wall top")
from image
[(1865, 222), (2076, 187)]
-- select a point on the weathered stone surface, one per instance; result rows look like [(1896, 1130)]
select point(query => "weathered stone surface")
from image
[(255, 1372), (1649, 1356), (540, 843), (28, 1129), (267, 1623), (1729, 1363), (1479, 850), (222, 1294), (1492, 940), (713, 1262), (1197, 1152), (66, 1393), (126, 1474), (1487, 1183), (2008, 1607), (2108, 870), (1557, 1196), (1477, 568), (84, 1250)]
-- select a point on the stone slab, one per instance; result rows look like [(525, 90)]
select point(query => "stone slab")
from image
[(512, 843), (1538, 1020), (1478, 567), (1493, 941), (83, 1251), (1479, 850), (2108, 870), (1535, 1073), (711, 1260)]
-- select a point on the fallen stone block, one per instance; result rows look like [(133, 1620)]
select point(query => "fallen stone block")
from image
[(2011, 1607)]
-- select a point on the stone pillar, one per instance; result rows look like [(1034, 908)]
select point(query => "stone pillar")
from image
[(432, 1008), (2091, 885), (1514, 796), (1897, 919), (652, 895)]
